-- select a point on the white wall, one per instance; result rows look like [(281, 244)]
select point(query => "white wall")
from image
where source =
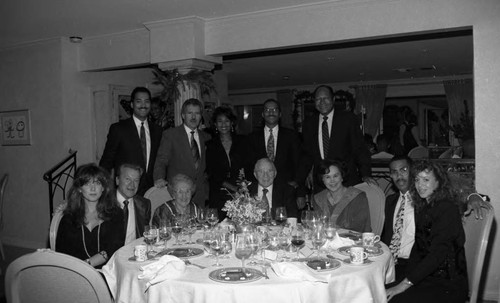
[(43, 78)]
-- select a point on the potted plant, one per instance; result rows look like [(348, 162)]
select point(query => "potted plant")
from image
[(464, 132)]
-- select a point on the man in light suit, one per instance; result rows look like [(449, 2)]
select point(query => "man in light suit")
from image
[(280, 144), (277, 193), (136, 209), (182, 151), (334, 135), (134, 140)]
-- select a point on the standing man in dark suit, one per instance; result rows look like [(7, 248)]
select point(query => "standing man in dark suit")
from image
[(281, 145), (276, 193), (136, 209), (333, 135), (134, 140), (182, 151)]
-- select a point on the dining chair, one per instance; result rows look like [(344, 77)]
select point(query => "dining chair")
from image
[(48, 276), (3, 184), (157, 196), (376, 202), (477, 232), (419, 152), (54, 224)]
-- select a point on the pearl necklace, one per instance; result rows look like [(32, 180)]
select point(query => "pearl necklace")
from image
[(98, 240)]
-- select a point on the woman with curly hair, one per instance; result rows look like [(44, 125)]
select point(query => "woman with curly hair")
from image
[(437, 270), (92, 226)]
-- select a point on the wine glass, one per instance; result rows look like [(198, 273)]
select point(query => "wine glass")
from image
[(254, 240), (164, 231), (298, 239), (177, 229), (243, 250), (318, 239), (212, 216), (281, 215), (267, 217), (150, 235), (190, 229), (283, 244), (216, 247), (305, 218)]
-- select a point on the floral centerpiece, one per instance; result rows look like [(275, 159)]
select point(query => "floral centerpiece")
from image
[(243, 208)]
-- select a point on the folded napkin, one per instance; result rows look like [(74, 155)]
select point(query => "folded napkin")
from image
[(168, 267), (297, 271), (337, 242)]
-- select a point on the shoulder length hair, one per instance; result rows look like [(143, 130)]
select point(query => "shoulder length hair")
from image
[(76, 203)]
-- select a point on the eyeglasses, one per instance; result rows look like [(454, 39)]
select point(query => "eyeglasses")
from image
[(402, 171), (271, 110)]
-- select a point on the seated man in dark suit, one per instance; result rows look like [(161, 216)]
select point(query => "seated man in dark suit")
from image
[(399, 226), (136, 209), (276, 193)]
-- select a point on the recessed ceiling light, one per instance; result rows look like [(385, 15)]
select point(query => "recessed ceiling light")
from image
[(286, 77), (330, 58), (75, 39)]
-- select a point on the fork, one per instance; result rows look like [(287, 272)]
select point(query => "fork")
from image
[(187, 262)]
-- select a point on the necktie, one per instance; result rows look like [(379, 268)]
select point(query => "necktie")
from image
[(398, 229), (143, 145), (195, 151), (270, 145), (266, 200), (326, 137), (125, 213)]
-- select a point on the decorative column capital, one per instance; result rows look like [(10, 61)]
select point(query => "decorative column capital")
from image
[(183, 66)]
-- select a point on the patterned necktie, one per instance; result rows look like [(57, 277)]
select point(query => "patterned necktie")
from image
[(270, 145), (266, 200), (143, 145), (398, 229), (326, 137), (125, 213), (195, 151)]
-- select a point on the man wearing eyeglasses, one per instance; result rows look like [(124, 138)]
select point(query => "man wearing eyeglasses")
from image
[(399, 226), (280, 144)]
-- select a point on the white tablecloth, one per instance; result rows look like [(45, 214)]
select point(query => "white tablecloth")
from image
[(348, 283)]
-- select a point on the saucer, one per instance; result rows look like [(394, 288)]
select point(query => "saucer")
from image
[(366, 262)]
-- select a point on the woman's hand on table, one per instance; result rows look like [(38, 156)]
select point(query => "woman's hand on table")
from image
[(396, 290)]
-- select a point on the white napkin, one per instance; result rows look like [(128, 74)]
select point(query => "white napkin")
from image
[(297, 271), (337, 242), (168, 267)]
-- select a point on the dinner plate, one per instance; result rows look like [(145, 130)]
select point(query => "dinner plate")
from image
[(366, 262), (235, 275), (182, 252), (371, 251), (351, 235), (321, 264)]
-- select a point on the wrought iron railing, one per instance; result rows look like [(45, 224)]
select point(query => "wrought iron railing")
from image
[(59, 177)]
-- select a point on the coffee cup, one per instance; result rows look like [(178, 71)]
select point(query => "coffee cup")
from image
[(369, 239), (140, 252), (357, 255)]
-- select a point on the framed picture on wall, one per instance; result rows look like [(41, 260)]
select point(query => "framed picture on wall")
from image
[(16, 127)]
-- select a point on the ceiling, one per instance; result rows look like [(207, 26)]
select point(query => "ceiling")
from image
[(395, 58)]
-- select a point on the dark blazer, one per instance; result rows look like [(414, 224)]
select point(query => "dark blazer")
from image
[(124, 146), (390, 208), (346, 145), (222, 169), (142, 208), (287, 153), (283, 195), (174, 157)]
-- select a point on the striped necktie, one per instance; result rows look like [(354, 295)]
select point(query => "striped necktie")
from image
[(326, 137), (195, 151)]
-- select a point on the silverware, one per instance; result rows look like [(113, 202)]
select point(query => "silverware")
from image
[(335, 258), (187, 262)]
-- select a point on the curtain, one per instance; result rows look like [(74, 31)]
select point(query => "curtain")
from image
[(372, 99), (456, 92)]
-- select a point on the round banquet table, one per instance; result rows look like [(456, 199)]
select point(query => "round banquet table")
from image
[(348, 283)]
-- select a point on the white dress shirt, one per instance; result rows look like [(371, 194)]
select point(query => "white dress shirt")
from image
[(269, 194), (130, 232), (196, 136), (320, 131), (275, 136), (148, 137), (408, 232)]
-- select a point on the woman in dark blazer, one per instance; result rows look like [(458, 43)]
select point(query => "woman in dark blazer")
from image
[(224, 158)]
